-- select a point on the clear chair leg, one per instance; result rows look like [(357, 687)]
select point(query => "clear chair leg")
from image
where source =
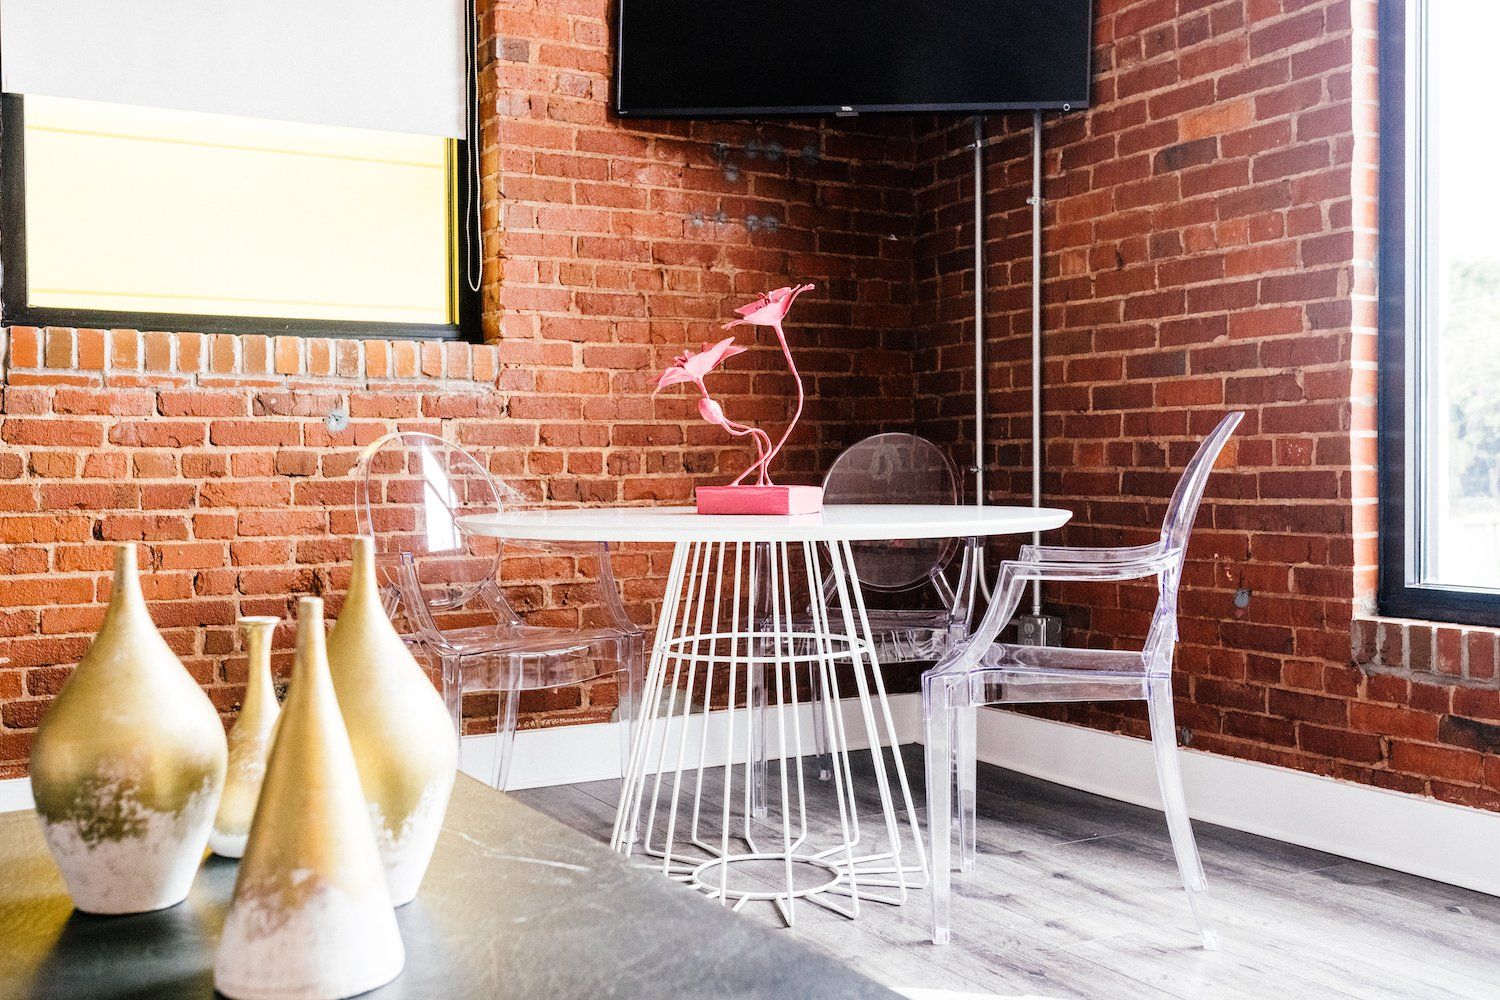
[(1174, 803), (505, 738), (816, 694), (759, 749), (625, 715), (630, 699), (939, 759), (966, 764), (630, 682), (453, 692)]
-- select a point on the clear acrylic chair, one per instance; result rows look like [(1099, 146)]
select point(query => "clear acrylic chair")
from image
[(412, 489), (985, 672), (891, 468), (903, 469)]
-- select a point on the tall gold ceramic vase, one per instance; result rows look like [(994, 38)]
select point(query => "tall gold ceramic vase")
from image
[(311, 917), (249, 742), (127, 764), (402, 734)]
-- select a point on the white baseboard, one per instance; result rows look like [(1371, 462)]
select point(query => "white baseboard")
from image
[(1409, 833), (15, 793), (566, 755), (569, 754)]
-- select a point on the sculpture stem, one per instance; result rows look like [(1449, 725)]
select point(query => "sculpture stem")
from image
[(787, 351), (761, 438), (762, 445)]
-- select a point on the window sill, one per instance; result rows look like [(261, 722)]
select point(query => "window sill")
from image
[(64, 356), (208, 325), (1435, 652)]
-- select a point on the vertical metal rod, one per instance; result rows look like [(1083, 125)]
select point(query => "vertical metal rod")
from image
[(1036, 338), (978, 309)]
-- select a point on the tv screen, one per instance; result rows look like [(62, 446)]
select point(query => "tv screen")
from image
[(705, 58)]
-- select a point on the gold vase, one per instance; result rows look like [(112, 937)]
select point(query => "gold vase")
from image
[(311, 917), (249, 742), (403, 737), (127, 764)]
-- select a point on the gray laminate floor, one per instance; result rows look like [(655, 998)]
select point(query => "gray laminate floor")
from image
[(1076, 896)]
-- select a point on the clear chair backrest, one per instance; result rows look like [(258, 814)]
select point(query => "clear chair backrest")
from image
[(894, 469), (1177, 526), (1178, 523), (412, 488)]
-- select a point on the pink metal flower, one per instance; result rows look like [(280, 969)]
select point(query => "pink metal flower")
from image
[(770, 309), (690, 367)]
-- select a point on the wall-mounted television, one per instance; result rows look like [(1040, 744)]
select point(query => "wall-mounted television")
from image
[(717, 58)]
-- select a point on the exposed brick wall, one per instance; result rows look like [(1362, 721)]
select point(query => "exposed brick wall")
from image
[(613, 261), (1210, 239), (1210, 228), (212, 452)]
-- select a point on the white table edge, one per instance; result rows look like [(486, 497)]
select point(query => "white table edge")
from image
[(835, 523)]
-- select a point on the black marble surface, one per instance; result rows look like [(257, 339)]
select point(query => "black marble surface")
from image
[(514, 905)]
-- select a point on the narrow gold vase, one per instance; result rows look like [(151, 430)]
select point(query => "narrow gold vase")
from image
[(249, 742), (311, 917), (128, 763), (402, 734)]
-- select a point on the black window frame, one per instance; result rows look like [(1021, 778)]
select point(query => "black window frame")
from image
[(16, 311), (1399, 333)]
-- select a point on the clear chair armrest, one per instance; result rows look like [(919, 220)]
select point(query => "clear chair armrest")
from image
[(1067, 553), (1151, 562), (1016, 574), (413, 602), (609, 592), (547, 545)]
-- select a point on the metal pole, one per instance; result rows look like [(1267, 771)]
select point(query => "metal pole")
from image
[(1036, 338), (978, 468)]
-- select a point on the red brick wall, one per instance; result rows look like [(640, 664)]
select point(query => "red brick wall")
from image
[(612, 261), (212, 452), (1210, 236)]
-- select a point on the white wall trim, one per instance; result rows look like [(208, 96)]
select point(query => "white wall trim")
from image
[(566, 755), (1409, 833), (15, 793)]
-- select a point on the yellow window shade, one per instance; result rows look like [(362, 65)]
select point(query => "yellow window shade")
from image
[(158, 211)]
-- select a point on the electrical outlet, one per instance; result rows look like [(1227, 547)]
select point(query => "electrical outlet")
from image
[(1038, 630)]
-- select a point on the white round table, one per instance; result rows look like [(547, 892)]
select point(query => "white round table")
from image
[(751, 600)]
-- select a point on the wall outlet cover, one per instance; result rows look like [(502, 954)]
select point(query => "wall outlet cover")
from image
[(1038, 630)]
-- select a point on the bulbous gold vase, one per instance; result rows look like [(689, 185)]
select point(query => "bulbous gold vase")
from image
[(403, 737), (127, 765), (311, 917), (249, 742)]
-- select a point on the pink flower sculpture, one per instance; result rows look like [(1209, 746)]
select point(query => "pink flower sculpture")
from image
[(768, 310)]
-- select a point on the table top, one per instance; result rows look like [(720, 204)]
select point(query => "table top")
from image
[(839, 522), (515, 904)]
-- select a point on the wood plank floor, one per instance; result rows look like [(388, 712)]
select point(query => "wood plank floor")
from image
[(1077, 897)]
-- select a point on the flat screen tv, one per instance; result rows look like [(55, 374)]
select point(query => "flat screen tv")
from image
[(746, 58)]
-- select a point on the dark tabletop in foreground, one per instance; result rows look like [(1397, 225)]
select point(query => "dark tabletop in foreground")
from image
[(515, 904)]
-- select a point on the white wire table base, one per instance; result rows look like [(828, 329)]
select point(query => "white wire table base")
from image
[(714, 791)]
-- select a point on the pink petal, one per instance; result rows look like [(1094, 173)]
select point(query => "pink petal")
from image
[(676, 375), (771, 308), (712, 356), (760, 302)]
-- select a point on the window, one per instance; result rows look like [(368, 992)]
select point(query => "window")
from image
[(135, 217), (1440, 314)]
